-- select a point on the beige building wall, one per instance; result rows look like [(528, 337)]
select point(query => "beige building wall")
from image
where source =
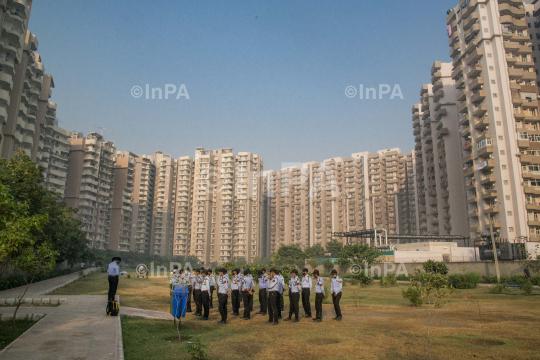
[(498, 110), (89, 185), (143, 203), (183, 207)]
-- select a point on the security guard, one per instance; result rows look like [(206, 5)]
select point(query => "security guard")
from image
[(281, 306), (175, 277), (235, 292), (319, 295), (295, 287), (263, 296), (335, 291), (189, 277), (306, 292), (205, 294), (274, 293), (212, 287), (247, 287), (197, 283), (223, 294)]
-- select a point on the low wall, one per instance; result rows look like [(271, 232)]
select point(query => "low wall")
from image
[(483, 268)]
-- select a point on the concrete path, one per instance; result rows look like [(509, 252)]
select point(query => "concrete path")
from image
[(146, 314), (43, 287), (77, 329)]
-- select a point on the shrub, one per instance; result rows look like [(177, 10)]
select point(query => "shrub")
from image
[(435, 267), (464, 281), (387, 281), (196, 349), (354, 281), (402, 277), (527, 288), (363, 279), (413, 295), (16, 281), (500, 289)]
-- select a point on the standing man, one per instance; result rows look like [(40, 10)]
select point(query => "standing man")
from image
[(263, 286), (241, 279), (247, 288), (206, 295), (223, 294), (235, 292), (189, 277), (281, 306), (335, 291), (319, 295), (306, 292), (527, 273), (197, 296), (274, 285), (251, 295), (212, 286), (175, 277), (113, 271), (295, 287)]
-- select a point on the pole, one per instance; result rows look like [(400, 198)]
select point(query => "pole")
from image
[(494, 251)]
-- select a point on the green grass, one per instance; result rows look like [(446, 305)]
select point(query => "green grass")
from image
[(7, 334), (378, 323)]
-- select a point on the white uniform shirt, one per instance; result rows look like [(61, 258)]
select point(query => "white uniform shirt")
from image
[(197, 282), (235, 282), (205, 284), (113, 269), (263, 281), (247, 283), (319, 286), (295, 284), (282, 282), (223, 284), (307, 283), (212, 280), (337, 285), (275, 284)]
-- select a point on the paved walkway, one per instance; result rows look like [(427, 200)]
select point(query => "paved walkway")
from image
[(43, 287), (146, 314)]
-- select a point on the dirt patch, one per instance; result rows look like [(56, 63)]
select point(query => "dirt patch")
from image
[(323, 341), (487, 342)]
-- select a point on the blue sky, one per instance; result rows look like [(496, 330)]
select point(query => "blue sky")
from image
[(267, 77)]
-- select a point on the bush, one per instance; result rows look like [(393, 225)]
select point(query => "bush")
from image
[(500, 289), (363, 279), (402, 278), (527, 288), (196, 349), (16, 281), (413, 295), (435, 267), (464, 281), (388, 281), (354, 281)]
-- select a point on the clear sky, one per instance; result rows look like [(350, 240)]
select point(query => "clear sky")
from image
[(267, 77)]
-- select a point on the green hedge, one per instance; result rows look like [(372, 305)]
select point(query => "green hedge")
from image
[(15, 281), (535, 280)]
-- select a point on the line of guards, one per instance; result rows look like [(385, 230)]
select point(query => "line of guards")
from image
[(202, 283)]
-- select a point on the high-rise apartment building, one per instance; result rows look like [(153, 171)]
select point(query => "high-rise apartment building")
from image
[(438, 138), (163, 209), (55, 155), (143, 203), (123, 224), (498, 114), (532, 16), (89, 186), (183, 206), (408, 210)]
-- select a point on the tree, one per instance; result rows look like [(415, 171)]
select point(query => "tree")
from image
[(360, 254), (534, 265), (240, 262), (334, 247), (328, 265), (313, 263), (344, 264), (315, 251), (289, 254)]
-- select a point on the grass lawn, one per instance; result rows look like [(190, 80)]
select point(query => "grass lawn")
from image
[(7, 334), (377, 324)]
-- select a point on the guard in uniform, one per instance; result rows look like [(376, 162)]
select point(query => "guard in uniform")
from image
[(295, 286), (263, 296), (197, 283), (281, 306), (212, 287), (205, 294), (189, 277), (274, 293), (319, 295), (235, 292), (223, 294), (335, 290), (306, 292), (247, 287)]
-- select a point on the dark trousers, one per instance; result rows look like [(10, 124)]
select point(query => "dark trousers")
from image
[(198, 300), (335, 300), (294, 307), (318, 305), (282, 304), (263, 301), (273, 301), (235, 298), (190, 291), (247, 307), (222, 304), (305, 301), (113, 285), (251, 302), (206, 303), (212, 296)]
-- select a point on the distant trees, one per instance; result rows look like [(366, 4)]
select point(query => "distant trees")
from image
[(334, 247)]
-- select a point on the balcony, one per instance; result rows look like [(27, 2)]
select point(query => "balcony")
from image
[(489, 194), (462, 95), (523, 143), (512, 23), (476, 83), (481, 123), (457, 72), (472, 199), (475, 56), (479, 110), (491, 209), (515, 73), (473, 213), (471, 33), (463, 107), (475, 71), (488, 179), (486, 150), (478, 96)]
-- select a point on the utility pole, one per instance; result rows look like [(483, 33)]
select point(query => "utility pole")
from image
[(494, 250)]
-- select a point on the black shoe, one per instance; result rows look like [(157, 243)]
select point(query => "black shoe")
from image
[(197, 314), (338, 318), (246, 318), (308, 316), (203, 318), (268, 322), (287, 319), (317, 320), (279, 317), (275, 323), (295, 320), (314, 319), (220, 322)]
